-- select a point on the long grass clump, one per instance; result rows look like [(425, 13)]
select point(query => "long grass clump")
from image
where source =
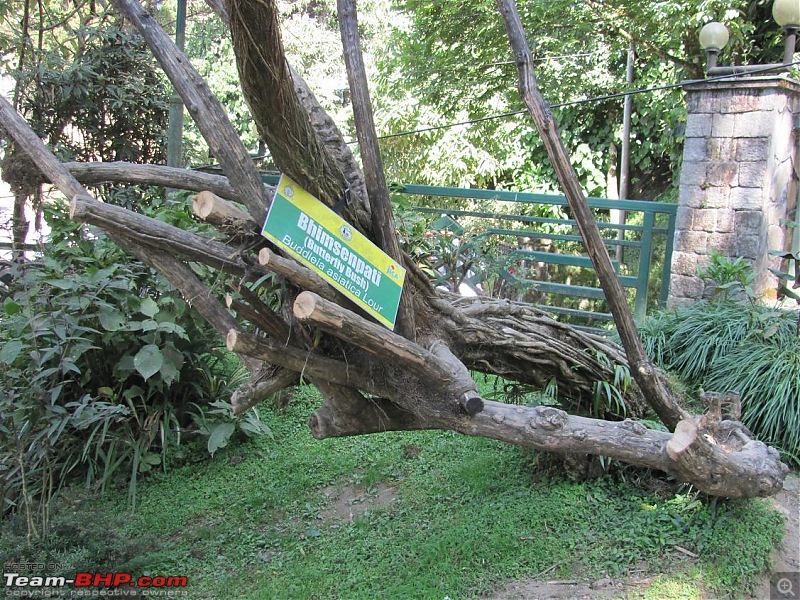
[(723, 345)]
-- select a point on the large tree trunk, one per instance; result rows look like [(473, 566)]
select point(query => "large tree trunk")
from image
[(373, 379)]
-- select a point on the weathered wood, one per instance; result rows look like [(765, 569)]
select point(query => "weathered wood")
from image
[(346, 410), (721, 463), (383, 225), (304, 362), (172, 177), (255, 391), (157, 234), (310, 308), (209, 115), (219, 212), (30, 143), (281, 119), (715, 456), (641, 368), (753, 471), (260, 315), (301, 276)]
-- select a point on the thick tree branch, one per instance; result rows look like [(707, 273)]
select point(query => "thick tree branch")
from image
[(184, 179), (158, 234), (282, 121), (299, 275), (641, 368), (209, 115), (305, 362), (386, 345), (383, 226)]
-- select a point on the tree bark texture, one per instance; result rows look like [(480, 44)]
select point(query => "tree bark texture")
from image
[(372, 379)]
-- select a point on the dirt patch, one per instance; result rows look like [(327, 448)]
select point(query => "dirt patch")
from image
[(785, 559), (346, 504), (575, 590)]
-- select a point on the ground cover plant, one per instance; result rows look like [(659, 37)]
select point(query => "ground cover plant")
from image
[(725, 345), (411, 515)]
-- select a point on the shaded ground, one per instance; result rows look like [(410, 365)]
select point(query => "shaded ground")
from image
[(785, 559), (349, 502)]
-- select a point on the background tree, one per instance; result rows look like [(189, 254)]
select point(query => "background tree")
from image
[(448, 62)]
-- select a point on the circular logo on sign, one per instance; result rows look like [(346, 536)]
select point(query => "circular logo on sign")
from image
[(288, 191), (346, 233)]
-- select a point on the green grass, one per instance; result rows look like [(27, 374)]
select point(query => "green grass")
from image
[(468, 515)]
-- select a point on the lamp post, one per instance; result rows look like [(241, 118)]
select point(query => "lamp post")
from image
[(787, 14), (714, 37)]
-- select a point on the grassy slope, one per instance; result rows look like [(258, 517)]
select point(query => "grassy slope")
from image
[(467, 516)]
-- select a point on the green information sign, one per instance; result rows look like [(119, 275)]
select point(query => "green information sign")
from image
[(327, 244)]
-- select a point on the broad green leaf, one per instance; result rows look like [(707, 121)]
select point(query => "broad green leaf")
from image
[(148, 307), (11, 307), (10, 351), (63, 284), (148, 361), (220, 435), (111, 321)]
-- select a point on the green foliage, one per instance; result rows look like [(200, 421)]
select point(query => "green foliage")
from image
[(99, 370), (458, 517), (109, 92), (450, 62), (730, 277), (726, 346)]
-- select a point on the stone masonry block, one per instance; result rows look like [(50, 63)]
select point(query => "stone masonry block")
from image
[(698, 125), (750, 246), (715, 197), (746, 198), (684, 263), (753, 125), (726, 221), (705, 219), (691, 241), (749, 222), (722, 126), (691, 196), (695, 150), (752, 149), (684, 216), (722, 149), (722, 243), (739, 104), (703, 102), (686, 286), (722, 174), (693, 173), (770, 101), (752, 174)]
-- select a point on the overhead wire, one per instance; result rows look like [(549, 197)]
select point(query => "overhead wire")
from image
[(505, 115)]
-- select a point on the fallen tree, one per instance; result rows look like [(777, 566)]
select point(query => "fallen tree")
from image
[(372, 378)]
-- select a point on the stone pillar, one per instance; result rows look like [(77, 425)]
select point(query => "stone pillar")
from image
[(738, 179)]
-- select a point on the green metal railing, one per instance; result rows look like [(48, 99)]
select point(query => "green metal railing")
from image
[(644, 236), (658, 220)]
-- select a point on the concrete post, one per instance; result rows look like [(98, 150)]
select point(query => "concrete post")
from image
[(738, 180)]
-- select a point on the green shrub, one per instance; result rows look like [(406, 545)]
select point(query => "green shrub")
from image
[(723, 345), (102, 366)]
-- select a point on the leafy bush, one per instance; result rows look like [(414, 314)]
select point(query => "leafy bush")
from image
[(752, 349), (102, 364)]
